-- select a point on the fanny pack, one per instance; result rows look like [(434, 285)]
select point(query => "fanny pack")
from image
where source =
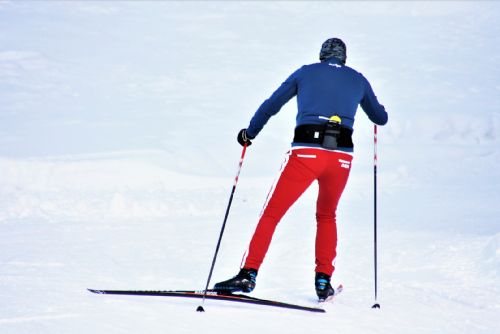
[(329, 135)]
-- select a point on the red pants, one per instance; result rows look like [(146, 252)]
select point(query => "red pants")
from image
[(301, 168)]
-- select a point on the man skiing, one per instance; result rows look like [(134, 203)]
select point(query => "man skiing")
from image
[(328, 94)]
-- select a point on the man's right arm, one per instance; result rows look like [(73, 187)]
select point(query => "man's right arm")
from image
[(375, 111)]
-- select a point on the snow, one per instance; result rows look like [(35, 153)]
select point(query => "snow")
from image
[(118, 154)]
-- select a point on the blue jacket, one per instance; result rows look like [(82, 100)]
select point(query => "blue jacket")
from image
[(323, 90)]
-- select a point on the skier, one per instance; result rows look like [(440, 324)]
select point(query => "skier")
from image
[(328, 94)]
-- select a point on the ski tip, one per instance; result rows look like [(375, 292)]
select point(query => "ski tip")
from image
[(100, 292)]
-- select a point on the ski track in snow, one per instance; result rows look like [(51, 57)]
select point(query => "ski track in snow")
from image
[(117, 157)]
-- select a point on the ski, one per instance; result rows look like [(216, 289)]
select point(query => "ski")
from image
[(211, 294), (338, 290)]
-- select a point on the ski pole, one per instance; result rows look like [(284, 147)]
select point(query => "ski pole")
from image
[(375, 158), (200, 308)]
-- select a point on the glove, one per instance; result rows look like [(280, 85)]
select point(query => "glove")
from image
[(244, 138)]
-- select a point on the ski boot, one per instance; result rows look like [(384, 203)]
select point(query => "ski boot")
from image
[(323, 287), (244, 282)]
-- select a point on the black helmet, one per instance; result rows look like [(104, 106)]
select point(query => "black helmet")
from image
[(333, 47)]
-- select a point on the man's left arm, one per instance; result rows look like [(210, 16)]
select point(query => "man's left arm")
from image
[(273, 104)]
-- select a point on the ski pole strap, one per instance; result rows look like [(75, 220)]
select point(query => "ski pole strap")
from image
[(315, 134)]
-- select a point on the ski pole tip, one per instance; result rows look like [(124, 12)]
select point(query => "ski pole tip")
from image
[(376, 305), (200, 309)]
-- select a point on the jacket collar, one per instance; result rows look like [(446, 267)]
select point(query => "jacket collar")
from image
[(333, 60)]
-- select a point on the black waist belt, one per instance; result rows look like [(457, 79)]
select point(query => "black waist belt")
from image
[(314, 134)]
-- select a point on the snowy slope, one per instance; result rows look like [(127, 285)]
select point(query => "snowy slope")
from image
[(118, 153)]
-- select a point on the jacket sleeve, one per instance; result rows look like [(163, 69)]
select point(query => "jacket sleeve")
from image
[(272, 105), (375, 111)]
